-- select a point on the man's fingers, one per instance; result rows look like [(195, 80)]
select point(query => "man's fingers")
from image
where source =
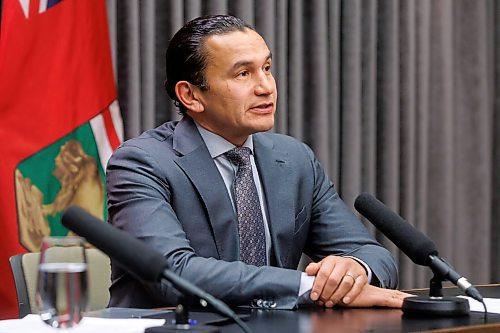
[(349, 285), (334, 278), (313, 268), (322, 279), (374, 296), (337, 285), (396, 299), (355, 290)]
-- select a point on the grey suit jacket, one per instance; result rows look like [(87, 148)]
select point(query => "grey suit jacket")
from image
[(164, 188)]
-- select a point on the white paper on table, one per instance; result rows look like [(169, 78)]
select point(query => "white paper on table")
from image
[(33, 323), (492, 304)]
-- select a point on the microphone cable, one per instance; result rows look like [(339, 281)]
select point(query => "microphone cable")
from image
[(485, 311)]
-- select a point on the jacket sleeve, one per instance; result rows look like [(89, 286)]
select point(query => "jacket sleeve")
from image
[(334, 229)]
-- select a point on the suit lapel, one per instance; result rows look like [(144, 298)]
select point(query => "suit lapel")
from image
[(195, 160), (274, 167)]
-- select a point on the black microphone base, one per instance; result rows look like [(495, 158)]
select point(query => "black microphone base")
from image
[(435, 306), (182, 329)]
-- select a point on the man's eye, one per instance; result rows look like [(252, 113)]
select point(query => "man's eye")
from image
[(243, 73), (267, 68)]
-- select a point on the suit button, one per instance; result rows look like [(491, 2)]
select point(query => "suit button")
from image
[(269, 304)]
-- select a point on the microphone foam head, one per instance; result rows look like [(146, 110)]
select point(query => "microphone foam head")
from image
[(130, 253), (417, 246)]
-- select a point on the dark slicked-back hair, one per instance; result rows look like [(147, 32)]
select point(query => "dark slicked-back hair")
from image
[(186, 57)]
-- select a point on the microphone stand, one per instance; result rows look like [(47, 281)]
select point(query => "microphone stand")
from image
[(182, 323), (182, 314), (436, 304), (186, 288)]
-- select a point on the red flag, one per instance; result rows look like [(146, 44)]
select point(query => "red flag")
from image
[(59, 121)]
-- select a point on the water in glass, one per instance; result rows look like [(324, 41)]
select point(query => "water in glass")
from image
[(62, 283)]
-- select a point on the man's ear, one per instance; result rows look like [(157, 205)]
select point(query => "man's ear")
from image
[(187, 94)]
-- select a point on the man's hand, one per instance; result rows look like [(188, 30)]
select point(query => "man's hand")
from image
[(337, 279), (374, 296)]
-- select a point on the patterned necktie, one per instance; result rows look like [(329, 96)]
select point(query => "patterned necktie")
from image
[(250, 221)]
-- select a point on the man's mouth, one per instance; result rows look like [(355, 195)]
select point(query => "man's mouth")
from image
[(263, 108)]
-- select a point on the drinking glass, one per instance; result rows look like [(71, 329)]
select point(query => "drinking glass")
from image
[(62, 290)]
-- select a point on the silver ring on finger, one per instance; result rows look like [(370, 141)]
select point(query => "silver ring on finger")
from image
[(349, 274)]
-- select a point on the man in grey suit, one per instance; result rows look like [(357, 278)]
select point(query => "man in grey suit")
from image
[(176, 187)]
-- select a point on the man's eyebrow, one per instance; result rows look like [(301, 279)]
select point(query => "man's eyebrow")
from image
[(244, 63)]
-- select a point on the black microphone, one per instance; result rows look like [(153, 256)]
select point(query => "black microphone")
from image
[(417, 246), (136, 257)]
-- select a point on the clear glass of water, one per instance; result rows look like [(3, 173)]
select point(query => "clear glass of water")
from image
[(62, 291)]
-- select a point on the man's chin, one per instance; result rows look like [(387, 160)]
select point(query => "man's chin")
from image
[(263, 123), (263, 127)]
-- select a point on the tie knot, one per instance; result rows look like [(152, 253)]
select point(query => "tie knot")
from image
[(239, 155)]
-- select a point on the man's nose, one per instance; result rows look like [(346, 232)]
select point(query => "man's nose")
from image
[(265, 84)]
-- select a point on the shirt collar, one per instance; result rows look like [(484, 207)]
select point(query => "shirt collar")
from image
[(217, 145)]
